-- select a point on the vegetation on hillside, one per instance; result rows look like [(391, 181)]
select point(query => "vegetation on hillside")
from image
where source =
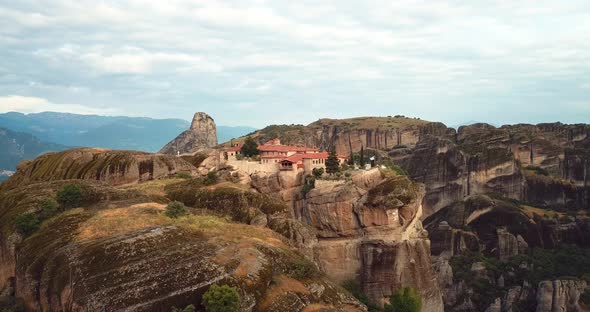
[(332, 163), (175, 209), (404, 300), (249, 148), (221, 299), (563, 262)]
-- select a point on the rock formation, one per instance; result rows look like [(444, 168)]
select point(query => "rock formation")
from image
[(560, 295), (119, 251), (114, 167), (201, 135), (474, 159), (367, 230)]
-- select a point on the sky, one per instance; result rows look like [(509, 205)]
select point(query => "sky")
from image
[(281, 62)]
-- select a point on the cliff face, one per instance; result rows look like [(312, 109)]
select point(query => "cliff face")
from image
[(483, 159), (501, 229), (114, 167), (475, 159), (119, 250), (474, 162), (560, 295), (201, 135), (368, 230)]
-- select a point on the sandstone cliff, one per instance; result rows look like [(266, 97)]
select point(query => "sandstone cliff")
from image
[(368, 231), (119, 251), (483, 159), (475, 159), (114, 167), (560, 295), (201, 135)]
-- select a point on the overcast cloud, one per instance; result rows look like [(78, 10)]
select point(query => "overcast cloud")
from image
[(260, 62)]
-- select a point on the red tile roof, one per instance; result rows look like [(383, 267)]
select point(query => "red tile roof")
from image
[(299, 157), (272, 156), (285, 148), (233, 149)]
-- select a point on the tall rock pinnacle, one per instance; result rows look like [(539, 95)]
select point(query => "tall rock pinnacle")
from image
[(202, 134)]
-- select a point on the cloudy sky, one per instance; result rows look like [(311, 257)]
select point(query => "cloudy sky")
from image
[(261, 62)]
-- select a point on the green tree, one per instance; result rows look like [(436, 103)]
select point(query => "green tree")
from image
[(188, 308), (308, 184), (211, 178), (27, 223), (69, 196), (362, 158), (221, 299), (351, 158), (49, 208), (332, 163), (250, 148), (317, 172), (175, 209), (404, 300)]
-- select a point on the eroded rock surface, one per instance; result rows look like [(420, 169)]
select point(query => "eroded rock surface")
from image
[(560, 296), (201, 135), (368, 230), (113, 167)]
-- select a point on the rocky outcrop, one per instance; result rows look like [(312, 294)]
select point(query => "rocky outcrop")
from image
[(113, 167), (499, 228), (346, 135), (201, 135), (510, 245), (368, 230), (172, 265), (284, 184), (560, 295), (120, 251), (375, 133), (477, 160)]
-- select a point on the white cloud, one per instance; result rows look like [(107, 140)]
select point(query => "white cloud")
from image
[(28, 104), (145, 56)]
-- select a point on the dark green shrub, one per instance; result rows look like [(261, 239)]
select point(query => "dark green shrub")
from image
[(175, 209), (221, 299), (332, 162), (308, 184), (188, 308), (49, 208), (211, 178), (317, 172), (301, 268), (182, 175), (250, 148), (404, 300), (69, 196), (27, 223)]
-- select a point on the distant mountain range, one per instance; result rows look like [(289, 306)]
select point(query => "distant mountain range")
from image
[(132, 133), (25, 136), (17, 146)]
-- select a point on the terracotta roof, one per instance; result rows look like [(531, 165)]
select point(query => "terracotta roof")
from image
[(299, 157), (323, 155), (233, 149), (272, 156), (285, 148)]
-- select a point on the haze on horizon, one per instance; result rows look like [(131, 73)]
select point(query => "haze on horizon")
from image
[(267, 62)]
